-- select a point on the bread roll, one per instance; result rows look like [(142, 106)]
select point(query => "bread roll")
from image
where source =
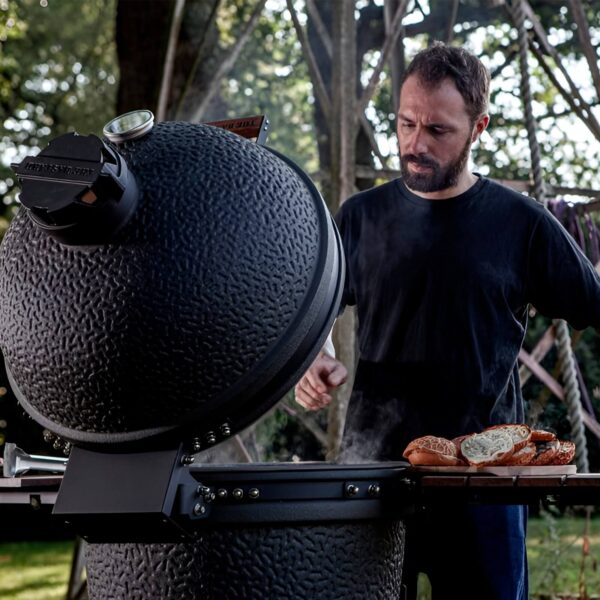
[(520, 433), (541, 435), (432, 444), (521, 457), (545, 453), (490, 447), (432, 459), (565, 454)]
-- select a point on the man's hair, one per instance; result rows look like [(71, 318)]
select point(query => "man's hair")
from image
[(470, 76)]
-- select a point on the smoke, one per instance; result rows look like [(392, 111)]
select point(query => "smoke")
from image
[(369, 430)]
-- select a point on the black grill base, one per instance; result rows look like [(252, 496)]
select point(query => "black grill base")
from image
[(338, 561)]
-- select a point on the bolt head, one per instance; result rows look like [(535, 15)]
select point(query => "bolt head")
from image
[(374, 490), (352, 489)]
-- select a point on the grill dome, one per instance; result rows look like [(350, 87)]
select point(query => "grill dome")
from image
[(196, 316)]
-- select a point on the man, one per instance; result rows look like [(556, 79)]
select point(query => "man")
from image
[(442, 265)]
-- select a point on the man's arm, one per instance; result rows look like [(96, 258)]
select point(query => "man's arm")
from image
[(562, 282), (325, 374)]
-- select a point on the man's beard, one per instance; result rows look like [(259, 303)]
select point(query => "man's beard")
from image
[(438, 178)]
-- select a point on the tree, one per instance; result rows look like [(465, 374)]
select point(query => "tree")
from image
[(57, 74)]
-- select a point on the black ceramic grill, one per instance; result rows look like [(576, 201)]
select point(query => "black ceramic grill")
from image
[(196, 306)]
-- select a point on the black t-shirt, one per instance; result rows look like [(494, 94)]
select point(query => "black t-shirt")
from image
[(442, 291)]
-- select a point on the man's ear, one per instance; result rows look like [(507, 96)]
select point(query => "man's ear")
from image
[(479, 127)]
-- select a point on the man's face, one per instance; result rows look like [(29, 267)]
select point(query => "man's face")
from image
[(435, 134)]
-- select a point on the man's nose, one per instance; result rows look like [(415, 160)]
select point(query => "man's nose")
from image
[(417, 142)]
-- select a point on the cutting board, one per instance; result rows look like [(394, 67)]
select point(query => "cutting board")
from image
[(502, 471)]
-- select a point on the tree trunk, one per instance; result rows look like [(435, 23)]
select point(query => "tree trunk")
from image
[(397, 58), (142, 35), (342, 128)]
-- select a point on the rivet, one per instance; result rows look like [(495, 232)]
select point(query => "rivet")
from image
[(199, 509), (196, 444), (222, 493), (238, 493), (187, 459), (210, 438), (254, 493), (352, 490), (374, 489), (225, 430)]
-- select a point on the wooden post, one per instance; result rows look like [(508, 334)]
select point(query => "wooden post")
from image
[(343, 142), (397, 55)]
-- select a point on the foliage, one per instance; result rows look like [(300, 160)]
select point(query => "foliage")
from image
[(271, 77), (57, 74)]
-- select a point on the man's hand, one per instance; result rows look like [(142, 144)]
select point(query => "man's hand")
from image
[(326, 373)]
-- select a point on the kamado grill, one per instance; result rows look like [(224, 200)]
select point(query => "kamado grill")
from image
[(160, 290)]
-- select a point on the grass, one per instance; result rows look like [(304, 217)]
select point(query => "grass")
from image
[(35, 570), (561, 558), (555, 549)]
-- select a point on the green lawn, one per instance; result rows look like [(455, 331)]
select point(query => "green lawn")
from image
[(40, 570), (35, 570), (555, 551)]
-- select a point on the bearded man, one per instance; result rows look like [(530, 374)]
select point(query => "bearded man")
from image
[(442, 265)]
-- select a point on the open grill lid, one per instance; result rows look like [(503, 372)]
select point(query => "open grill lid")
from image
[(192, 311)]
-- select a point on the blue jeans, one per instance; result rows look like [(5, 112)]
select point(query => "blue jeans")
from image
[(468, 551)]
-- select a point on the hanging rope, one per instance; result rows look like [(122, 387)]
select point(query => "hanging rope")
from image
[(563, 339), (518, 16), (568, 372)]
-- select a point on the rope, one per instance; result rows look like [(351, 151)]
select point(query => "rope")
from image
[(518, 16), (563, 339), (568, 372)]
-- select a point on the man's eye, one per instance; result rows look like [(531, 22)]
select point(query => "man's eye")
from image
[(407, 125)]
